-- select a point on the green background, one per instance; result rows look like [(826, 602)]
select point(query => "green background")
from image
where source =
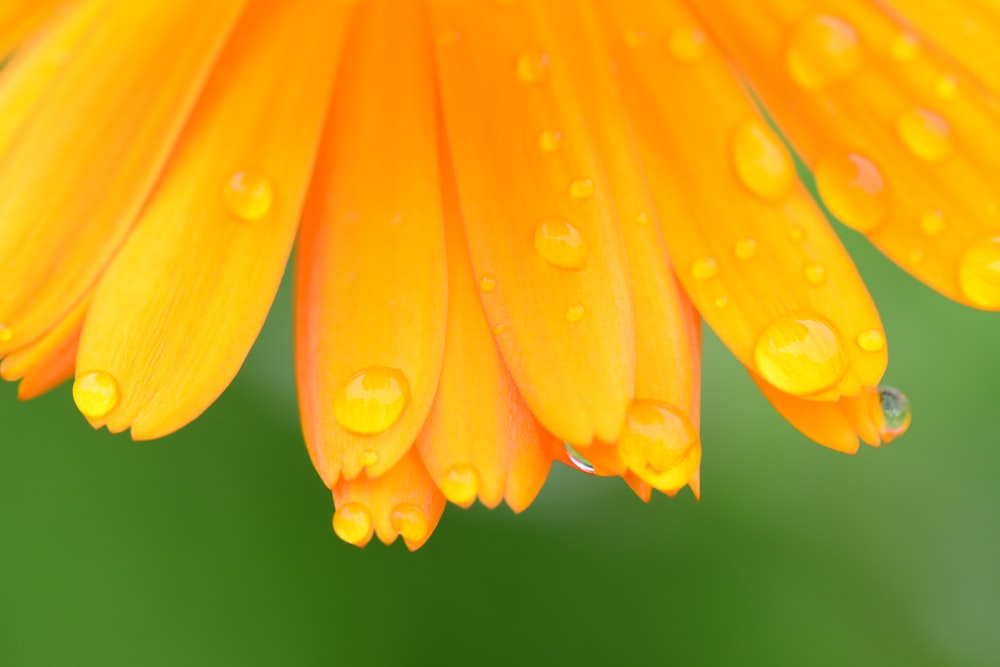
[(214, 546)]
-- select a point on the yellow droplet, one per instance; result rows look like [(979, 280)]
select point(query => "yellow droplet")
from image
[(932, 223), (687, 44), (904, 47), (560, 244), (762, 163), (659, 443), (96, 394), (853, 189), (796, 233), (721, 301), (916, 256), (871, 340), (892, 413), (815, 273), (461, 484), (6, 333), (353, 524), (642, 219), (745, 249), (371, 400), (575, 312), (248, 195), (549, 141), (409, 521), (532, 66), (823, 50), (800, 355), (582, 188), (705, 268), (947, 87), (487, 283), (499, 329), (926, 133), (369, 457), (635, 38), (979, 274)]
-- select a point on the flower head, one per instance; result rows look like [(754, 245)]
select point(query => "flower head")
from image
[(513, 214)]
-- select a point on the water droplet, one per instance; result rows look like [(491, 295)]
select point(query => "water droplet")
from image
[(6, 333), (871, 340), (687, 44), (96, 394), (762, 163), (705, 268), (932, 223), (460, 484), (796, 233), (560, 244), (823, 50), (409, 521), (721, 302), (925, 133), (248, 195), (635, 38), (815, 273), (642, 219), (499, 329), (947, 87), (549, 141), (353, 524), (800, 355), (369, 457), (371, 400), (904, 47), (916, 256), (853, 189), (659, 443), (575, 312), (582, 188), (979, 274), (577, 459), (745, 249), (487, 283), (894, 413), (532, 66)]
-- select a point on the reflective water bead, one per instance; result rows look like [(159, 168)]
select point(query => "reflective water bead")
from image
[(762, 163), (823, 50), (560, 244), (96, 394), (871, 340), (657, 438), (409, 521), (979, 273), (248, 195), (578, 460), (369, 457), (549, 141), (705, 268), (6, 333), (582, 188), (745, 249), (371, 400), (800, 355), (487, 283), (853, 189), (353, 524), (926, 133), (894, 413), (947, 87), (532, 66), (904, 47), (687, 44), (932, 223), (815, 273), (460, 484), (575, 312)]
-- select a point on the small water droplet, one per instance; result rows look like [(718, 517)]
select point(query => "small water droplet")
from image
[(796, 233), (721, 302), (823, 50), (642, 219), (353, 524), (916, 256), (582, 188), (560, 244), (575, 312), (371, 400), (871, 340), (577, 459), (904, 47), (815, 273), (549, 141), (532, 66), (932, 223), (409, 521), (96, 394), (635, 38), (659, 443), (705, 268), (461, 484), (800, 355), (979, 273), (248, 195), (745, 249), (369, 457), (487, 283), (762, 163), (947, 87), (926, 133), (6, 333), (499, 329), (894, 413), (853, 189), (687, 44)]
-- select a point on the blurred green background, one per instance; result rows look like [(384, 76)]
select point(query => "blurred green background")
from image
[(214, 546)]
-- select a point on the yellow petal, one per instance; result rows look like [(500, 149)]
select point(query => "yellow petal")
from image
[(20, 18), (49, 360)]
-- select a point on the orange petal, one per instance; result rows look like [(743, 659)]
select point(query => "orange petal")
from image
[(49, 360), (20, 18), (402, 501), (538, 216), (750, 247), (178, 309), (371, 283), (91, 143)]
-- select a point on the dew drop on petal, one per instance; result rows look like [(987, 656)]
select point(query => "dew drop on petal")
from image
[(248, 195), (560, 244), (915, 256), (932, 223), (762, 163), (815, 273), (687, 44), (575, 312), (947, 87), (6, 333), (979, 273), (409, 521), (487, 283), (369, 457), (871, 340), (745, 249), (578, 460), (549, 141), (796, 233), (894, 413), (460, 484), (656, 440), (853, 189), (371, 400), (96, 394), (904, 47), (721, 302), (532, 66), (800, 355), (582, 188), (926, 133), (642, 219), (823, 50), (353, 523), (705, 268)]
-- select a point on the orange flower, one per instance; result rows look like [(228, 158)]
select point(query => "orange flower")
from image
[(512, 214)]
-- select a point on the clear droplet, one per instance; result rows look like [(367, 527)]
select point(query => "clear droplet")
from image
[(815, 273), (801, 355), (687, 44), (642, 219), (871, 340), (461, 484), (745, 249), (371, 400), (582, 188), (96, 394), (487, 283), (926, 133), (369, 457), (979, 274), (575, 312), (762, 163), (853, 189), (932, 223), (499, 329), (823, 50), (659, 443), (904, 47), (409, 520), (353, 524), (577, 459), (894, 415), (532, 66), (549, 141), (6, 333), (248, 195), (705, 268), (560, 244)]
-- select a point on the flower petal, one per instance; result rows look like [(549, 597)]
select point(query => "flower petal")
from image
[(47, 361), (19, 19)]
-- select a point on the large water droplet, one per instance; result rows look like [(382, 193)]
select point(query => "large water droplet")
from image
[(926, 133), (409, 521), (248, 195), (762, 163), (801, 354), (979, 273), (823, 50), (894, 413), (96, 394), (353, 523), (371, 400), (560, 244), (532, 66), (461, 484), (659, 443), (578, 460), (853, 189)]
